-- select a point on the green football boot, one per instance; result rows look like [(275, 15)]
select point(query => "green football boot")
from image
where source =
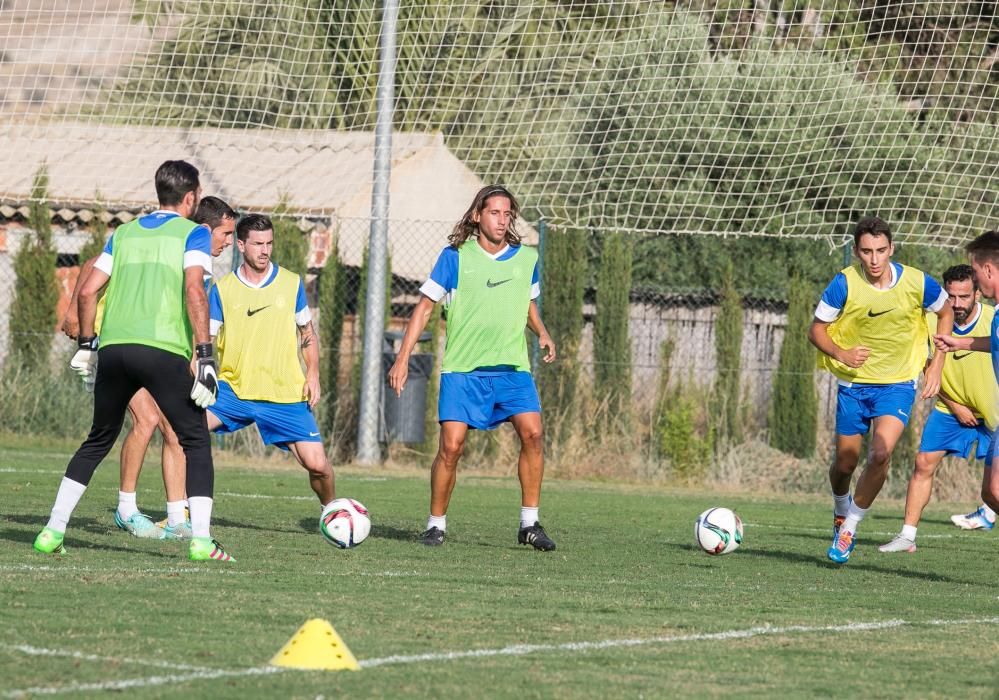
[(207, 549), (49, 541)]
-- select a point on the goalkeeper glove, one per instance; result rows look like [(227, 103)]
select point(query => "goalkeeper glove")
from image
[(206, 385), (84, 362)]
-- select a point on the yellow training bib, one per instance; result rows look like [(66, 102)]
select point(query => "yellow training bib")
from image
[(888, 321), (968, 377), (258, 343)]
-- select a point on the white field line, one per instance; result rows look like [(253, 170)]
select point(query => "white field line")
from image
[(525, 649), (515, 650), (56, 568), (79, 655)]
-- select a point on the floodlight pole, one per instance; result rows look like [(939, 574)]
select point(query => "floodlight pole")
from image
[(371, 368)]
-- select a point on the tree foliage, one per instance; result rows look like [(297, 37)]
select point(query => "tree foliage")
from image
[(727, 394), (33, 310), (611, 342), (794, 403)]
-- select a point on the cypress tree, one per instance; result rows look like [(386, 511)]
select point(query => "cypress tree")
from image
[(728, 351), (98, 234), (611, 343), (33, 311), (794, 404), (332, 303), (291, 246), (562, 286)]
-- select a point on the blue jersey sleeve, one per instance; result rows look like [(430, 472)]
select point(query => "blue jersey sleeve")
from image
[(200, 240), (215, 305), (445, 272), (301, 301), (535, 277), (107, 246), (835, 294), (931, 292)]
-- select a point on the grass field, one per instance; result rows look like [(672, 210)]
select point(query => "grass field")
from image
[(626, 607)]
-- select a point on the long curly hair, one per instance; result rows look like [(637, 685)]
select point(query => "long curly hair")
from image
[(467, 228)]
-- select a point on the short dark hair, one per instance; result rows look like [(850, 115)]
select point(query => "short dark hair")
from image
[(252, 222), (211, 211), (959, 273), (985, 248), (874, 225), (174, 179)]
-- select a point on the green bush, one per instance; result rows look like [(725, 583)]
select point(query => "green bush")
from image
[(33, 310), (611, 342), (726, 396), (794, 403)]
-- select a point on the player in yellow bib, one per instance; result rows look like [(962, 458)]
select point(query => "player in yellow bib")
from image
[(870, 330), (260, 318), (967, 410)]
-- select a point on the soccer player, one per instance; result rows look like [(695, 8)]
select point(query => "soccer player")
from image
[(489, 283), (154, 267), (260, 317), (967, 410), (984, 255), (146, 415), (870, 330)]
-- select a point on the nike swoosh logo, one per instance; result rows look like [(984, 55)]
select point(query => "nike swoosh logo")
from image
[(313, 434), (961, 357), (250, 312), (491, 284), (879, 313)]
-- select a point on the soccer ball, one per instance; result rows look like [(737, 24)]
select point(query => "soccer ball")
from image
[(345, 523), (718, 531)]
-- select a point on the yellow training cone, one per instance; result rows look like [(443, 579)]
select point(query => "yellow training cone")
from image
[(316, 646)]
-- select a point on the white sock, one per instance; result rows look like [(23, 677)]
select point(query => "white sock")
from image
[(528, 516), (126, 505), (853, 517), (175, 512), (841, 504), (69, 494), (438, 521), (989, 513), (201, 516), (909, 532)]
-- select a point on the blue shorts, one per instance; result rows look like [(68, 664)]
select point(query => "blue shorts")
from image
[(484, 401), (857, 405), (279, 423), (943, 433)]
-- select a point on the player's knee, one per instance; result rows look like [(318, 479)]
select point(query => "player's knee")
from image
[(923, 466), (144, 426), (319, 469), (451, 450), (533, 439), (878, 456)]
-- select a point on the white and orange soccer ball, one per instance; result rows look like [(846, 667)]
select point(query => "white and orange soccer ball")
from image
[(718, 531), (345, 523)]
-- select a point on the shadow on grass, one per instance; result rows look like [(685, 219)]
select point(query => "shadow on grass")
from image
[(27, 537), (821, 561)]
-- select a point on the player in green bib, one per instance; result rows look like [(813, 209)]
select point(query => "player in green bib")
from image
[(154, 269), (488, 282), (870, 330)]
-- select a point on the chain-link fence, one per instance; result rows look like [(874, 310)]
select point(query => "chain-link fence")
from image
[(670, 428)]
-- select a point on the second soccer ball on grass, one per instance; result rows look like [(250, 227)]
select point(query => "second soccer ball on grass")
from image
[(718, 531), (345, 523)]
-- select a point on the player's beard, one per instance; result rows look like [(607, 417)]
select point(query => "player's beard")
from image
[(961, 316)]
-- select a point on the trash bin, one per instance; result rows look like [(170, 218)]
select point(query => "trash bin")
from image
[(403, 416)]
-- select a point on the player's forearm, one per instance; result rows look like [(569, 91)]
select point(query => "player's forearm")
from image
[(534, 321), (197, 310), (74, 300), (945, 319), (819, 337), (417, 324), (87, 310), (310, 349)]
